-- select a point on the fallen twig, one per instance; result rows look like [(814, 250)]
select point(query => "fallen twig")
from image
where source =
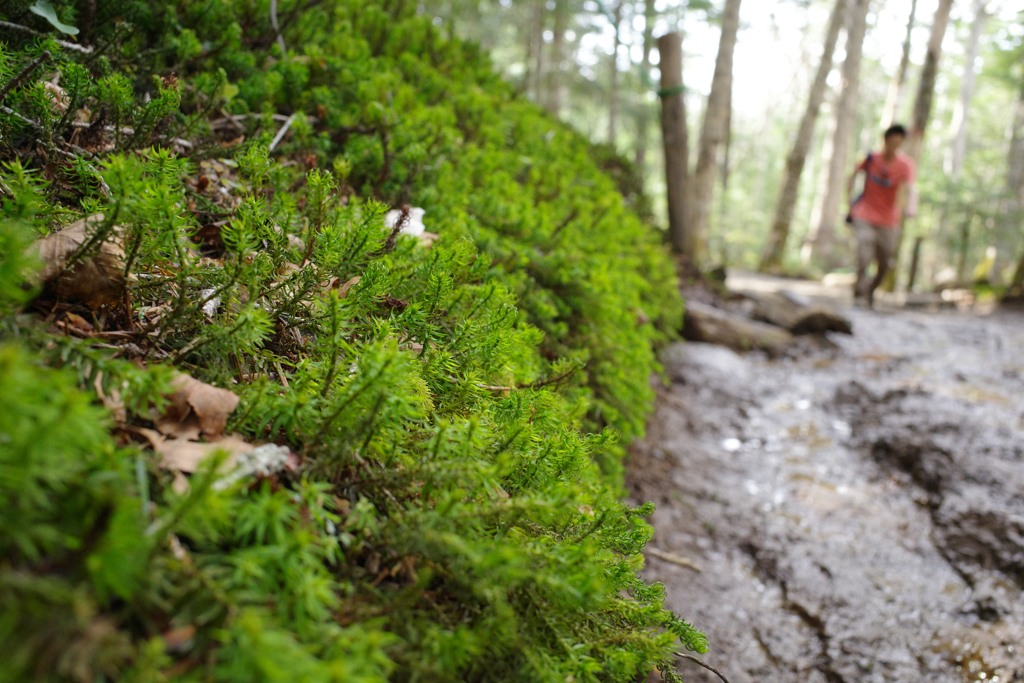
[(706, 666), (62, 43), (281, 131), (29, 68), (674, 559)]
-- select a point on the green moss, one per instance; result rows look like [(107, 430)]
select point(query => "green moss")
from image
[(440, 526)]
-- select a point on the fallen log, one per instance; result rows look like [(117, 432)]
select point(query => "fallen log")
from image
[(798, 315), (705, 323)]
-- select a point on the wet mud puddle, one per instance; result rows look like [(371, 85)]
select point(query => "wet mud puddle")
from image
[(856, 512)]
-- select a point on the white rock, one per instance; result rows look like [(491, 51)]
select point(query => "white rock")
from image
[(414, 226)]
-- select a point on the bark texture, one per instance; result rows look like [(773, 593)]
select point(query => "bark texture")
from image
[(715, 122), (674, 137), (775, 248), (822, 238)]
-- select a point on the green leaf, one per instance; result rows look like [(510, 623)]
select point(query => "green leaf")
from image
[(46, 11)]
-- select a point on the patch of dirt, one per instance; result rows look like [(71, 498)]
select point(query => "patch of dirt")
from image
[(857, 510)]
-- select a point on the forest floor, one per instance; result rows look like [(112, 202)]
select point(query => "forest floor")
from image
[(855, 508)]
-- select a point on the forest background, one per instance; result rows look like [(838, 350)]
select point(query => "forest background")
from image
[(560, 53)]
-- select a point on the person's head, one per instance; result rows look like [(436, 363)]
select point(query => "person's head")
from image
[(894, 137)]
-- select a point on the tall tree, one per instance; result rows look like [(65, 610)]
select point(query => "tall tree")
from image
[(675, 139), (775, 248), (556, 74), (613, 95), (701, 189), (894, 98), (1015, 185), (961, 114), (926, 87), (923, 107), (822, 237), (643, 116)]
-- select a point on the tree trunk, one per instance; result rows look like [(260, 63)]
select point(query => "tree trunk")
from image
[(556, 75), (538, 51), (1015, 186), (715, 118), (613, 95), (643, 113), (923, 109), (823, 234), (926, 88), (674, 136), (790, 187), (894, 98), (962, 112)]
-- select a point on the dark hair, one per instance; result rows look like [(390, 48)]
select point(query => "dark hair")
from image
[(895, 129)]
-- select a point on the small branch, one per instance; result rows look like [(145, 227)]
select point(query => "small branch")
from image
[(273, 22), (37, 34), (553, 380), (29, 68), (489, 387), (281, 131), (674, 559), (697, 661), (36, 126)]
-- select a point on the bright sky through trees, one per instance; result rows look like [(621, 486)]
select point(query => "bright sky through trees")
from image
[(773, 43)]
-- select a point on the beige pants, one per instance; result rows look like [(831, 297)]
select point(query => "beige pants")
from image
[(873, 243)]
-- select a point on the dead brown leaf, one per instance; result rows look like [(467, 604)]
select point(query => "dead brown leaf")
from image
[(96, 280), (196, 407)]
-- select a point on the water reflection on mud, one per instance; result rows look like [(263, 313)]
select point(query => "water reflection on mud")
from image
[(858, 510)]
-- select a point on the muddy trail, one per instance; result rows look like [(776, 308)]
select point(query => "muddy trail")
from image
[(855, 509)]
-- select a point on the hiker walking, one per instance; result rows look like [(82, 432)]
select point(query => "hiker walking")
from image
[(877, 213)]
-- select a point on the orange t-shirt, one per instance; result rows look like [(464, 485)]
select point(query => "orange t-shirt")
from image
[(879, 205)]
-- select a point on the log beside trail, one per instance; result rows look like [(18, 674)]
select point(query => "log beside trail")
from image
[(798, 315), (705, 323)]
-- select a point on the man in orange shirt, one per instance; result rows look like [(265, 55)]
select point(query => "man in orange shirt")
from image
[(878, 213)]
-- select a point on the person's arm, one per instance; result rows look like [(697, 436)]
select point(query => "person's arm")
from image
[(849, 186)]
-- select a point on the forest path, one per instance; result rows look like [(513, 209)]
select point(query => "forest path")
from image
[(857, 510)]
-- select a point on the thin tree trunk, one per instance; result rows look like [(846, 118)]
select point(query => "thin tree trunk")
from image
[(715, 118), (643, 115), (613, 96), (556, 75), (538, 51), (674, 136), (1015, 186), (923, 108), (775, 248), (962, 112), (822, 238), (894, 98), (926, 88)]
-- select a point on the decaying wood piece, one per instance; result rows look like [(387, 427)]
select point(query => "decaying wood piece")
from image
[(796, 314), (708, 324)]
